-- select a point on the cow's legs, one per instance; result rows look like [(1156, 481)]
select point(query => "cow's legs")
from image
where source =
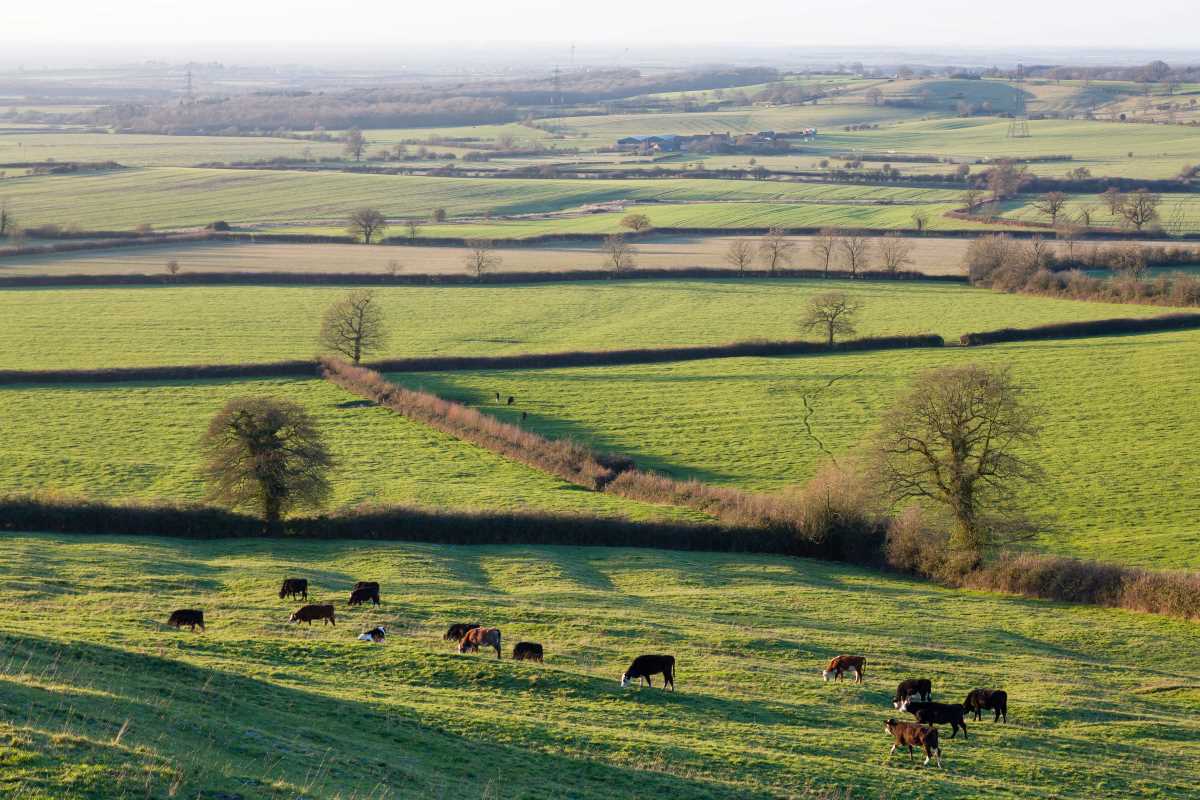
[(892, 752), (910, 753)]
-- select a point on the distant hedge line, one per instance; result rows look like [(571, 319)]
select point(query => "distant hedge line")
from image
[(579, 358), (1097, 327)]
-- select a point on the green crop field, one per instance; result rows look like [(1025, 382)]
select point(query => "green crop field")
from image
[(99, 700), (1116, 411), (141, 441), (110, 327), (134, 149), (1178, 213)]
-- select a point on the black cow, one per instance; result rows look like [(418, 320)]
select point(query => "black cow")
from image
[(527, 651), (458, 630), (937, 713), (365, 585), (295, 588), (511, 400), (645, 666), (991, 699), (921, 688), (497, 397), (365, 593), (187, 616)]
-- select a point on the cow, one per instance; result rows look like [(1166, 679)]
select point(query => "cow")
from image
[(921, 688), (458, 630), (375, 635), (477, 637), (511, 400), (907, 734), (497, 397), (991, 699), (295, 588), (527, 651), (524, 415), (365, 585), (365, 593), (937, 713), (187, 616), (309, 613), (645, 666), (840, 664)]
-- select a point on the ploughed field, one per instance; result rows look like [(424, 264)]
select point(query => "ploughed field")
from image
[(1121, 485), (99, 700), (114, 327)]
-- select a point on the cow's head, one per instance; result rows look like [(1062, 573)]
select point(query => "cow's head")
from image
[(826, 674), (902, 705), (295, 617), (890, 725), (624, 679)]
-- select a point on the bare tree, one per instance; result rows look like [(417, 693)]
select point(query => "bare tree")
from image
[(831, 313), (635, 222), (971, 198), (957, 439), (874, 95), (354, 325), (1052, 204), (920, 220), (354, 143), (7, 221), (895, 252), (1006, 179), (618, 253), (393, 267), (413, 226), (265, 454), (824, 246), (1085, 216), (1140, 208), (481, 257), (740, 254), (438, 215), (776, 249), (366, 223), (1113, 200), (856, 249), (172, 267), (1069, 233), (1131, 262)]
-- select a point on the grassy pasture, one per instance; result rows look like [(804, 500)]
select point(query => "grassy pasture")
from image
[(1102, 703), (1178, 213), (141, 441), (110, 327), (150, 150), (1121, 484)]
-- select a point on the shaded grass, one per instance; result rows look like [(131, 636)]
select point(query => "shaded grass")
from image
[(231, 710)]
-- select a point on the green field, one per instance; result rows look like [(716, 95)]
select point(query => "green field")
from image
[(1119, 486), (141, 441), (98, 700), (111, 327), (149, 150), (1178, 213)]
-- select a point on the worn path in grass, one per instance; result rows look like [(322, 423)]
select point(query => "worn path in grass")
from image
[(1122, 478), (97, 701), (113, 327)]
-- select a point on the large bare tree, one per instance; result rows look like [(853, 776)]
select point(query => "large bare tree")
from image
[(366, 223), (1140, 208), (895, 252), (831, 313), (776, 249), (354, 143), (824, 246), (1052, 205), (959, 438), (267, 455), (481, 257), (618, 253), (856, 249), (354, 325), (739, 254)]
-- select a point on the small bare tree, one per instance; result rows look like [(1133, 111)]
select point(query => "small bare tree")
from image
[(831, 313), (920, 220), (354, 143), (635, 222), (824, 246), (354, 325), (438, 215), (1086, 213), (1140, 208), (1113, 200), (172, 267), (1052, 204), (618, 254), (366, 223), (776, 249), (958, 439), (413, 226), (393, 267), (972, 198), (856, 249), (740, 254), (1131, 263), (895, 252), (7, 221), (481, 257)]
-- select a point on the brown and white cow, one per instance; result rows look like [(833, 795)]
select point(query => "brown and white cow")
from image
[(309, 613), (480, 637), (840, 664), (912, 734)]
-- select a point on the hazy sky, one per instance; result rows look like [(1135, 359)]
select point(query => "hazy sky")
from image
[(960, 23)]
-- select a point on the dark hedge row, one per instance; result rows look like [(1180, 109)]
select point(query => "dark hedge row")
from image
[(1097, 327)]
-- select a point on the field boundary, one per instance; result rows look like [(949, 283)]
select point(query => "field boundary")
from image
[(1085, 329)]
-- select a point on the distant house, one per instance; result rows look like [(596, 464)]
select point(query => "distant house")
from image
[(667, 143)]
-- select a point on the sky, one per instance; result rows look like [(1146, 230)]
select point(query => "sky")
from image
[(150, 27)]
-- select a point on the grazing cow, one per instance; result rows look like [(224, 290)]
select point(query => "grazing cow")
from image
[(295, 588), (527, 651), (497, 397), (524, 414), (920, 688), (908, 734), (645, 666), (458, 630), (187, 616), (511, 400), (309, 613), (362, 595), (937, 713), (365, 585), (840, 664), (374, 635), (991, 699), (480, 637)]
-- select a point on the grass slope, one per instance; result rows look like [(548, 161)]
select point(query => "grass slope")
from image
[(1121, 481), (134, 149), (142, 442), (97, 701), (110, 327)]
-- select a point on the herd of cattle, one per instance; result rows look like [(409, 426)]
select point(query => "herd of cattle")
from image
[(914, 696)]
